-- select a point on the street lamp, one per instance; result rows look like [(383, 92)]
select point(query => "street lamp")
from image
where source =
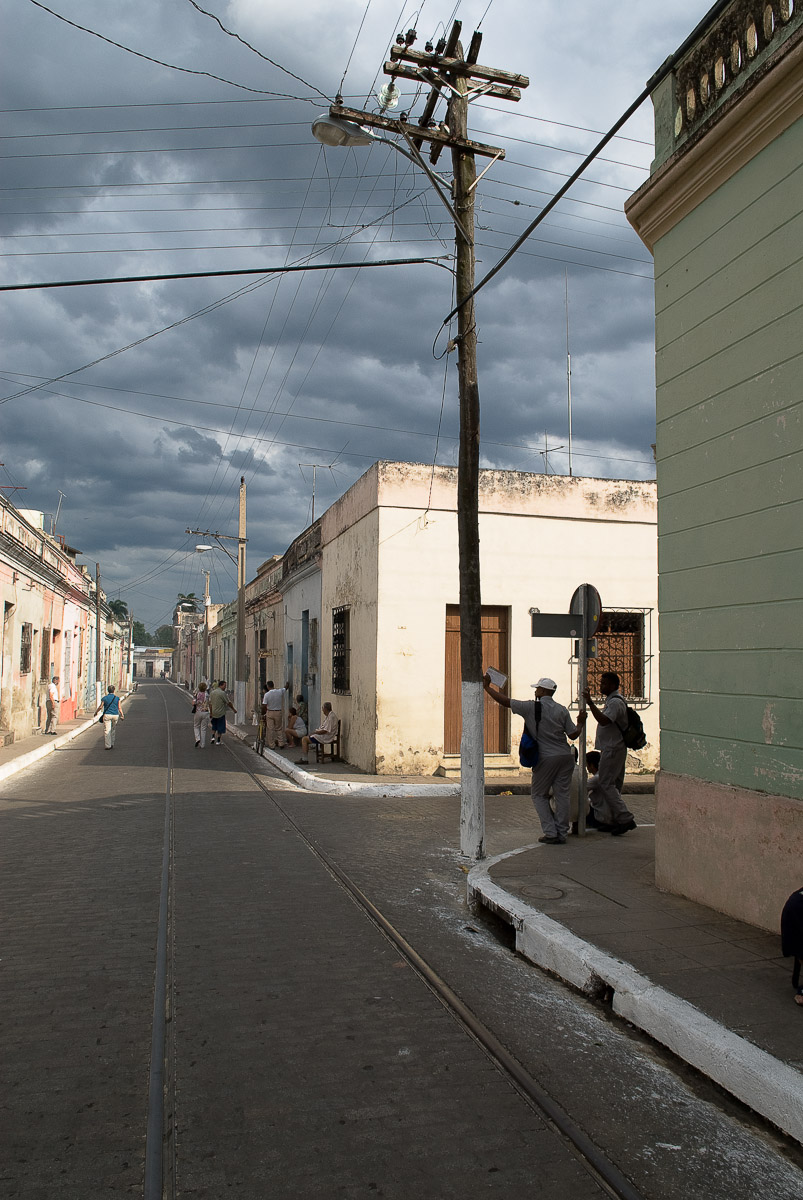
[(240, 539)]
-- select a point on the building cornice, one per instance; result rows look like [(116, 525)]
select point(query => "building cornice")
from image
[(755, 119)]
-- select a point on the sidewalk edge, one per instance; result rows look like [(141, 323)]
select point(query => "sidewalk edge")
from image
[(14, 765), (346, 787), (765, 1084)]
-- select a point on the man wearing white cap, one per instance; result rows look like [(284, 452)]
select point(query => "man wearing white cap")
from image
[(549, 724)]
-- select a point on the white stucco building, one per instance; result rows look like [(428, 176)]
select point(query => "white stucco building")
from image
[(390, 616)]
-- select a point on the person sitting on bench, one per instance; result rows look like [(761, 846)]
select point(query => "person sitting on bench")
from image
[(323, 736)]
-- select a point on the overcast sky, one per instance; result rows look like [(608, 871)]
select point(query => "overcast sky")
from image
[(153, 398)]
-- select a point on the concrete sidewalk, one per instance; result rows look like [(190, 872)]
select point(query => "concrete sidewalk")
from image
[(26, 751), (713, 990)]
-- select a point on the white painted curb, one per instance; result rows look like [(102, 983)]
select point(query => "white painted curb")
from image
[(346, 787), (26, 760), (764, 1083)]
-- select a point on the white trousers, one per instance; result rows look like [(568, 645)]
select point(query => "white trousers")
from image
[(608, 792), (110, 729), (556, 773), (200, 723), (274, 728)]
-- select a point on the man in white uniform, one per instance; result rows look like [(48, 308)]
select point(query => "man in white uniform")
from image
[(611, 720), (549, 724)]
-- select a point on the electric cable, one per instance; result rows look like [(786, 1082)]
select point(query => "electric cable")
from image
[(649, 87), (172, 66), (259, 53)]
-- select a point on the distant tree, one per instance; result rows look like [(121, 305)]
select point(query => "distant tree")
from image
[(141, 635), (120, 609), (189, 601), (163, 636)]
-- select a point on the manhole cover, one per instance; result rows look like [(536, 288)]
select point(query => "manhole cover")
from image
[(541, 892)]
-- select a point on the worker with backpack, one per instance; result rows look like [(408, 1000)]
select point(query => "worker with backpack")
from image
[(613, 723)]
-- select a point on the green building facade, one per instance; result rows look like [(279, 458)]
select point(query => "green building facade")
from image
[(722, 213)]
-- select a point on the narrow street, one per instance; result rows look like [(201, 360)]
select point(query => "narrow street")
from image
[(304, 1056)]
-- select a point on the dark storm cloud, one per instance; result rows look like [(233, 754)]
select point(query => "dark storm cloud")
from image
[(313, 369)]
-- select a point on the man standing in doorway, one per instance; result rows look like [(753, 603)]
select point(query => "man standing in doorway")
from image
[(53, 704), (611, 721), (273, 708), (550, 729)]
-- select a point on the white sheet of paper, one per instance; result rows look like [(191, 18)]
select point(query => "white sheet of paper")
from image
[(497, 678)]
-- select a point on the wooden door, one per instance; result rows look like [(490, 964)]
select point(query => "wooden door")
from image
[(495, 653)]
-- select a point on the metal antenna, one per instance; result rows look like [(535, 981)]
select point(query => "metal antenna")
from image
[(568, 368), (58, 511)]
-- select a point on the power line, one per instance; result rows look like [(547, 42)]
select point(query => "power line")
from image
[(264, 57), (172, 66), (266, 271), (319, 420)]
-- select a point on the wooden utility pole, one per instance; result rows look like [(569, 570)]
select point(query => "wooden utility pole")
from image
[(98, 663), (458, 80), (472, 740), (205, 672), (240, 682)]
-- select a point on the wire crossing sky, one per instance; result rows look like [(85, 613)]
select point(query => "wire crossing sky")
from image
[(174, 139)]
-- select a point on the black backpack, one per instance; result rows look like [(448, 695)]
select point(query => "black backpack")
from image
[(633, 733)]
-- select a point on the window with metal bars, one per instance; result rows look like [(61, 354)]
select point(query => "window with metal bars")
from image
[(26, 648), (621, 648), (44, 666), (341, 650)]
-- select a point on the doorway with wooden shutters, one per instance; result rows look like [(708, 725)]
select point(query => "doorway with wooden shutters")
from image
[(495, 653)]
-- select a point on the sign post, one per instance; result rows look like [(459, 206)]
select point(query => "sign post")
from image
[(581, 623), (585, 601)]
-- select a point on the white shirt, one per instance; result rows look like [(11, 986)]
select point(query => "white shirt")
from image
[(553, 728), (328, 730), (616, 711), (274, 699), (53, 693)]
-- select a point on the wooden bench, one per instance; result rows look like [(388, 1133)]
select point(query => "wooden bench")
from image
[(330, 748)]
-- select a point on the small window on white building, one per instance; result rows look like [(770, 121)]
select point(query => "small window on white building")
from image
[(341, 651)]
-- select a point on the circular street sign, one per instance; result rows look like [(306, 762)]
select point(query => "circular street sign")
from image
[(593, 604)]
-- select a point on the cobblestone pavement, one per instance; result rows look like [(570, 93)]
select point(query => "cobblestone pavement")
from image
[(306, 1058)]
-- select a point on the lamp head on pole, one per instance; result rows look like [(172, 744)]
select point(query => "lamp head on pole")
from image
[(202, 549), (334, 131)]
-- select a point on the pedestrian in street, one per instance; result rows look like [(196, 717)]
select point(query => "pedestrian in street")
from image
[(201, 716), (296, 728), (611, 722), (549, 724), (324, 735), (112, 712), (273, 710), (53, 705), (792, 938), (218, 703)]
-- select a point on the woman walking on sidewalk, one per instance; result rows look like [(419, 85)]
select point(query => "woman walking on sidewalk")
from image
[(200, 708), (112, 711)]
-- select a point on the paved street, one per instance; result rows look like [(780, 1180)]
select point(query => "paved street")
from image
[(305, 1058)]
